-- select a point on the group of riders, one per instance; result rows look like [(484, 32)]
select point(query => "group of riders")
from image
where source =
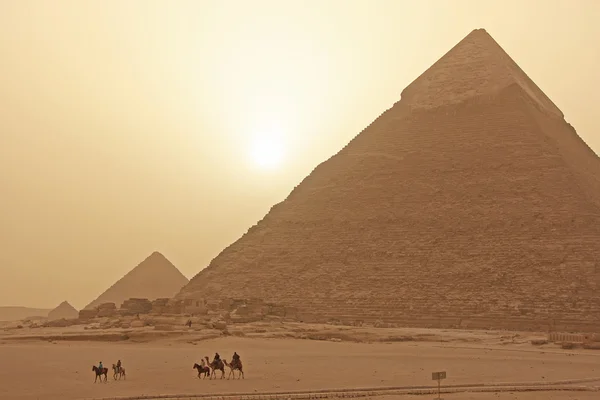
[(118, 366), (208, 368), (235, 359)]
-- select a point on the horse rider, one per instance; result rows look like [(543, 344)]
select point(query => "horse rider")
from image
[(119, 366), (101, 367)]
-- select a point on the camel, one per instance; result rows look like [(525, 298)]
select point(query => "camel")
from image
[(99, 372), (216, 365), (120, 371), (202, 369), (233, 366)]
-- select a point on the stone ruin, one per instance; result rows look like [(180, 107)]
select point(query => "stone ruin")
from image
[(135, 306), (107, 310), (228, 310)]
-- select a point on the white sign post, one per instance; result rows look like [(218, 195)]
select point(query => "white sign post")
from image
[(438, 376)]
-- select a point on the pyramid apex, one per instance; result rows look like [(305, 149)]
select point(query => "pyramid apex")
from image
[(479, 31), (476, 66), (63, 310), (64, 304), (481, 35), (155, 256)]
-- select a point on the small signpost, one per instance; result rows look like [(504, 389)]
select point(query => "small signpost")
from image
[(438, 376)]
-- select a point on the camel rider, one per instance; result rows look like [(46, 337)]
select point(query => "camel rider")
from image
[(119, 366), (235, 358), (100, 366), (217, 357)]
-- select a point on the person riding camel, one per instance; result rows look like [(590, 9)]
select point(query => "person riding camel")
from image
[(119, 366), (235, 358), (217, 358)]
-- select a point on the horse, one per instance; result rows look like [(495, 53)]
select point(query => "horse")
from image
[(216, 365), (233, 366), (202, 369), (120, 371), (99, 372)]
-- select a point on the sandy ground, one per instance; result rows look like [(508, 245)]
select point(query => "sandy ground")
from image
[(39, 369), (505, 396)]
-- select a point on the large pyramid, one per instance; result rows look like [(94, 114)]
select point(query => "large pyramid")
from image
[(153, 278), (469, 203)]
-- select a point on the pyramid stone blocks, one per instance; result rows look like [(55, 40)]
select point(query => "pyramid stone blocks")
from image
[(469, 203)]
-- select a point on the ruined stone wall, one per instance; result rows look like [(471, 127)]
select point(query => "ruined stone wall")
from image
[(135, 306)]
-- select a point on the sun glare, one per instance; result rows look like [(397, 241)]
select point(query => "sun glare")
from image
[(267, 152)]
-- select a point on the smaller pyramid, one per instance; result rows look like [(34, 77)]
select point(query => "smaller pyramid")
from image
[(155, 277), (63, 311)]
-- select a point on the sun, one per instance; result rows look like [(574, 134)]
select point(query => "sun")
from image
[(267, 152)]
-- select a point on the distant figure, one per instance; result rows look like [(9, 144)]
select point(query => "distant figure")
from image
[(217, 364), (99, 372), (189, 323), (118, 370), (202, 369), (236, 364), (100, 366)]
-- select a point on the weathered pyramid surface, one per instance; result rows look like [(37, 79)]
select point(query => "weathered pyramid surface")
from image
[(155, 277), (471, 202), (64, 310)]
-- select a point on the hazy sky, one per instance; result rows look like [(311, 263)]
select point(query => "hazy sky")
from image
[(127, 126)]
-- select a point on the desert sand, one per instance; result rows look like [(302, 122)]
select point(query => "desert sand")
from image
[(55, 363)]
